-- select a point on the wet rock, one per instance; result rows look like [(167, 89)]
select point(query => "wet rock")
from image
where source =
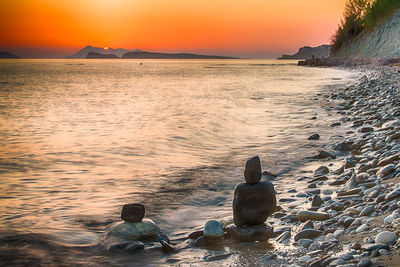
[(314, 137), (307, 234), (217, 257), (317, 201), (253, 203), (386, 237), (260, 232), (213, 229), (321, 171), (132, 213), (344, 146), (127, 245), (252, 170), (133, 231), (269, 176), (312, 215), (322, 154), (201, 242), (166, 247), (195, 234)]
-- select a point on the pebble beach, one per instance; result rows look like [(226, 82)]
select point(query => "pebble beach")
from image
[(342, 207)]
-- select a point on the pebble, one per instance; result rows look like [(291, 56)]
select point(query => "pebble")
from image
[(213, 229), (365, 263), (312, 215), (367, 211), (362, 228), (307, 234), (316, 201), (386, 237)]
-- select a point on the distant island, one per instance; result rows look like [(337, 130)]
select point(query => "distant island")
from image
[(7, 55), (94, 55), (306, 52), (83, 53), (156, 55), (106, 52)]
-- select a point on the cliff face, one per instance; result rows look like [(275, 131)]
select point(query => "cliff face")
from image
[(382, 42), (307, 52)]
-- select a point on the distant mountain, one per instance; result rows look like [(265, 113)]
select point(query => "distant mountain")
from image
[(307, 52), (99, 55), (156, 55), (6, 55), (86, 50)]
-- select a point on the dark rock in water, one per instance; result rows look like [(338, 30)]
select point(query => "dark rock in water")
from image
[(321, 171), (195, 235), (260, 232), (252, 171), (125, 246), (269, 176), (344, 146), (322, 154), (166, 246), (314, 137), (253, 203), (132, 213), (201, 242)]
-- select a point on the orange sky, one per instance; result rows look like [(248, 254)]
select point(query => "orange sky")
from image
[(251, 28)]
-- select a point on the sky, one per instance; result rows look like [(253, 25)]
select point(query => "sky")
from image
[(250, 28)]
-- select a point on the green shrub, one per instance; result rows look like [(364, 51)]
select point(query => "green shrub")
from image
[(360, 15)]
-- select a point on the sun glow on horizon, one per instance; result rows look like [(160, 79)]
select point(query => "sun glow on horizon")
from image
[(252, 26), (106, 48)]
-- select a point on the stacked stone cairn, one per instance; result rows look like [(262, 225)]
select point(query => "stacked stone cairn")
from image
[(253, 203), (129, 234)]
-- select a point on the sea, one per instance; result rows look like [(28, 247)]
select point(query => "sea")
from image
[(81, 138)]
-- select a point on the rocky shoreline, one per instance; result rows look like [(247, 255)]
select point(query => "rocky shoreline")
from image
[(350, 216), (341, 209)]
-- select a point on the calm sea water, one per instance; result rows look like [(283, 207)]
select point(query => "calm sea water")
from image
[(80, 138)]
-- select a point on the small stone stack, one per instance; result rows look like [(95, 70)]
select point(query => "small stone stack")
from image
[(253, 203), (132, 213)]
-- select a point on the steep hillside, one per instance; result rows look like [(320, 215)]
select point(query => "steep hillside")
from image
[(382, 42)]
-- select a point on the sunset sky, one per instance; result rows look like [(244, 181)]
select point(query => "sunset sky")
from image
[(251, 28)]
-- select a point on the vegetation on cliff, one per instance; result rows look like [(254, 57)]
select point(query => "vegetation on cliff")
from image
[(360, 16)]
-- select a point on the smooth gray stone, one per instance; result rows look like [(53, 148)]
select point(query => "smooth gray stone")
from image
[(253, 203), (307, 234), (252, 170)]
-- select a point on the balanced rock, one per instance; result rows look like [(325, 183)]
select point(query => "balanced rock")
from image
[(261, 232), (253, 203), (252, 171), (132, 213)]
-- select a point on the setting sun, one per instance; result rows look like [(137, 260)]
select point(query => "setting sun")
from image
[(105, 48)]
